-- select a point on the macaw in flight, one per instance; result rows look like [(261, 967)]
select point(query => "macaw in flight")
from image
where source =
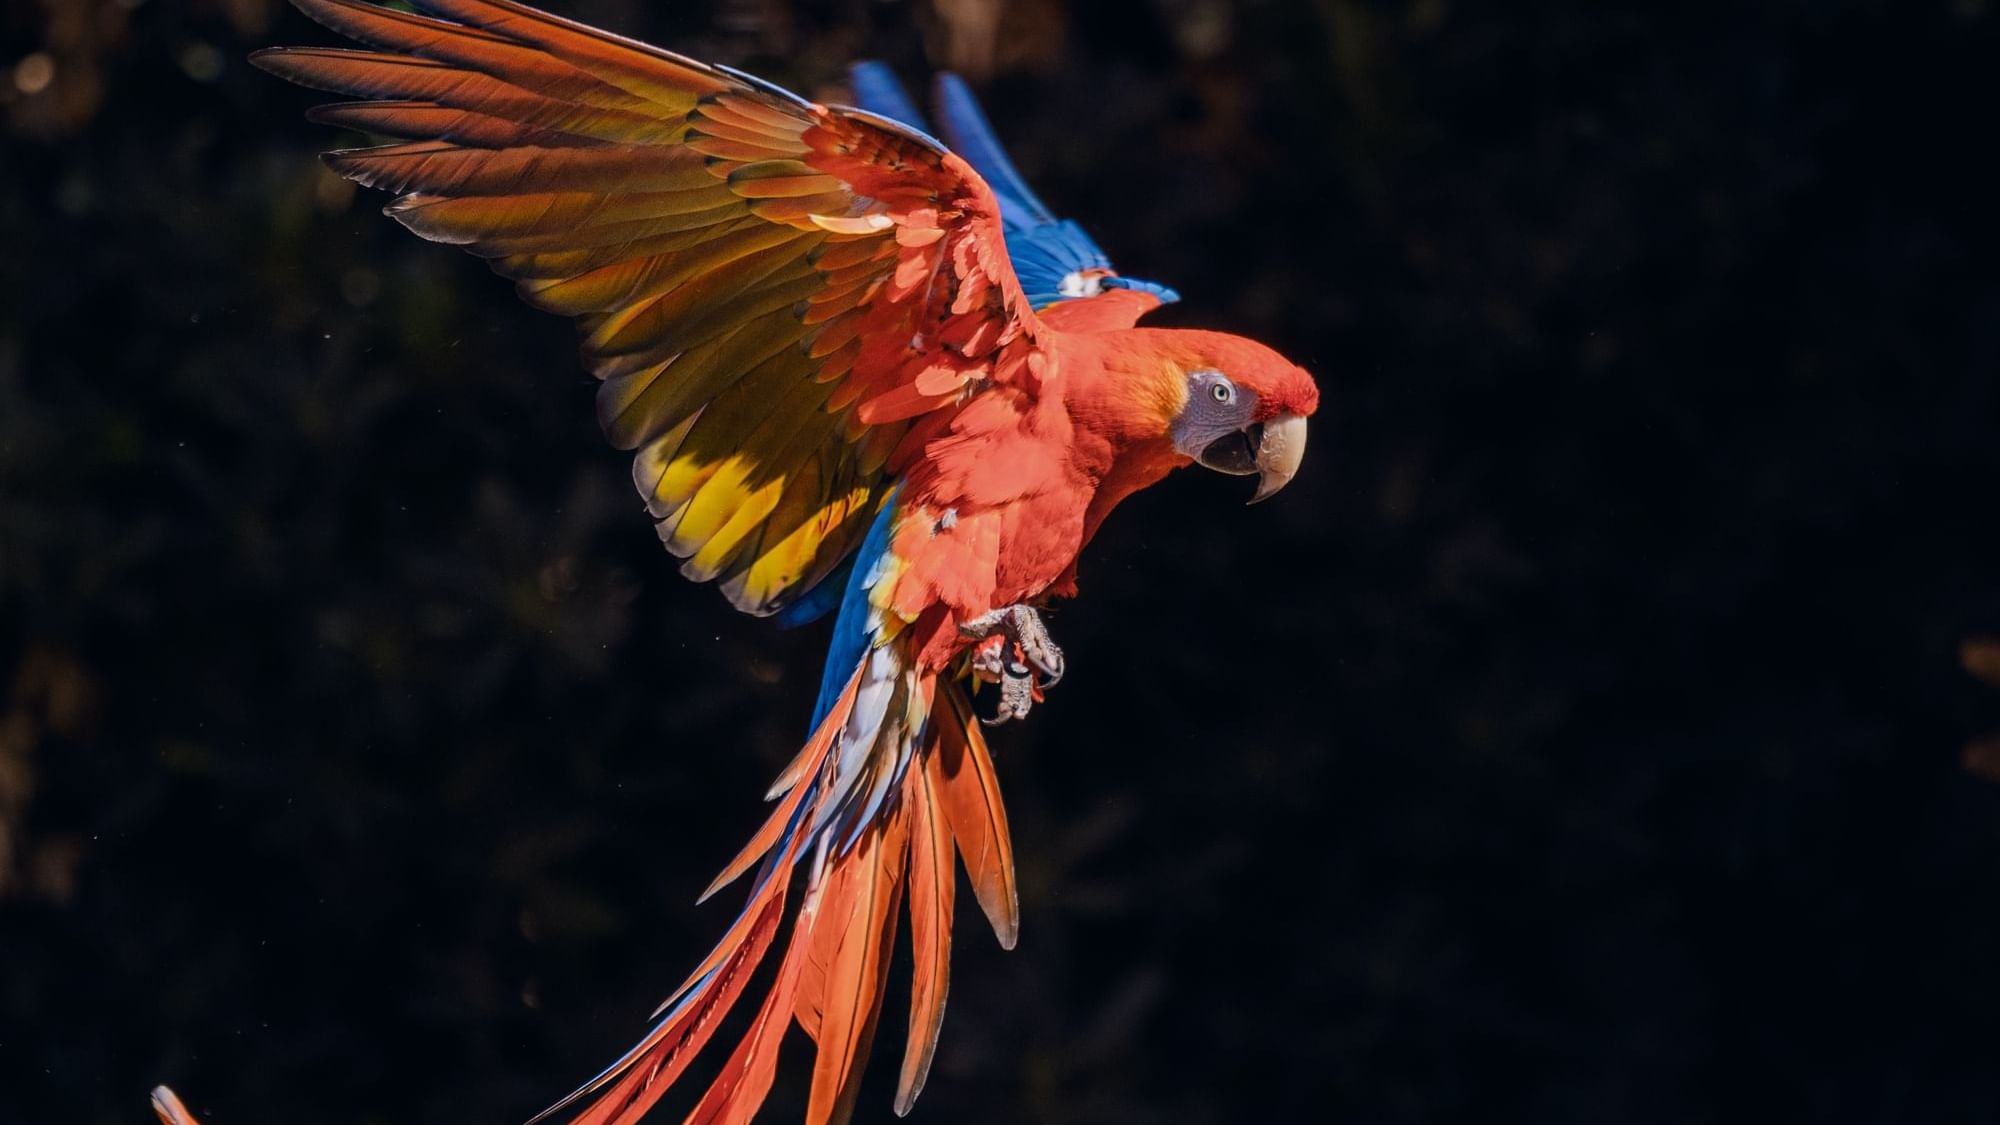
[(854, 367)]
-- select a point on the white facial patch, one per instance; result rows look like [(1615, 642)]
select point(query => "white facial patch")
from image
[(1078, 284)]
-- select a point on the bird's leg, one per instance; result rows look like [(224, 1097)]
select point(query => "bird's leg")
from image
[(1015, 651), (1014, 643)]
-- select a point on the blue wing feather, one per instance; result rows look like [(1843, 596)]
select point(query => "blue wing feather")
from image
[(1055, 259), (819, 601), (850, 629), (877, 90), (970, 135), (1046, 255)]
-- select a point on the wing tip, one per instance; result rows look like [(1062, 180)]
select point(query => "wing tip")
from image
[(284, 62)]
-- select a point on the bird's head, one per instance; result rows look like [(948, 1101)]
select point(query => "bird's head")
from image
[(1239, 408)]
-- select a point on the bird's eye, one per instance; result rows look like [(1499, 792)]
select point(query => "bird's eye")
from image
[(1222, 393)]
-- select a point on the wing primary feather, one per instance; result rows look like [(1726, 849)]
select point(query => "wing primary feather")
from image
[(673, 80), (414, 120), (972, 137), (877, 90)]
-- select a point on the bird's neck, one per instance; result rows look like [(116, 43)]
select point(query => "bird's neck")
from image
[(1121, 391), (1121, 395)]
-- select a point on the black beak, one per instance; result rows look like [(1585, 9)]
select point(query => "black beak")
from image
[(1235, 454)]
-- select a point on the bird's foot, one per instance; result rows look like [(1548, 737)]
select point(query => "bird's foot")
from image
[(1014, 651)]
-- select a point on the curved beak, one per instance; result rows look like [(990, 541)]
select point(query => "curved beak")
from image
[(1272, 450), (1280, 450)]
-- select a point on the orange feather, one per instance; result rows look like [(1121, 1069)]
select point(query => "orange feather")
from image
[(852, 997), (807, 760), (969, 795), (171, 1111), (416, 120), (739, 1090), (660, 76), (932, 883), (651, 1068)]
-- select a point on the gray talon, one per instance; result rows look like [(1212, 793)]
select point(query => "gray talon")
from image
[(1017, 695), (1025, 664)]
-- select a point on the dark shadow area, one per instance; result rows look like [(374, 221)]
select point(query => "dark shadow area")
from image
[(1582, 738)]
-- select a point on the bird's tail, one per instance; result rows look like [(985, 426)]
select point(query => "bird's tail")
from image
[(895, 776)]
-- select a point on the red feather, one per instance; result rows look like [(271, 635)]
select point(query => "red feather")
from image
[(807, 760), (932, 884), (962, 776), (852, 997), (738, 1092)]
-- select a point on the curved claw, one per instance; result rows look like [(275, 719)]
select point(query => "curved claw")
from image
[(1017, 697), (1014, 650), (1053, 676)]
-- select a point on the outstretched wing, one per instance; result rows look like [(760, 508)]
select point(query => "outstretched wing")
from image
[(1055, 259), (773, 293)]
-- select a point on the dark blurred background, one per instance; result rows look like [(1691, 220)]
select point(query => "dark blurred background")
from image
[(1594, 732)]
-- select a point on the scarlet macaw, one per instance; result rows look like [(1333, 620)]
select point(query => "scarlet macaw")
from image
[(809, 330)]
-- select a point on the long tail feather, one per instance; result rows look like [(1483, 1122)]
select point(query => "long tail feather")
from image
[(969, 794), (774, 827), (872, 808), (643, 1074), (859, 972), (932, 884), (735, 1095)]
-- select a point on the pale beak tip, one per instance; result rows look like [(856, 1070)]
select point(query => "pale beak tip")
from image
[(1279, 454)]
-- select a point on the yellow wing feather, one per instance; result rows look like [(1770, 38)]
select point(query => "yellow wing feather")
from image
[(726, 249)]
